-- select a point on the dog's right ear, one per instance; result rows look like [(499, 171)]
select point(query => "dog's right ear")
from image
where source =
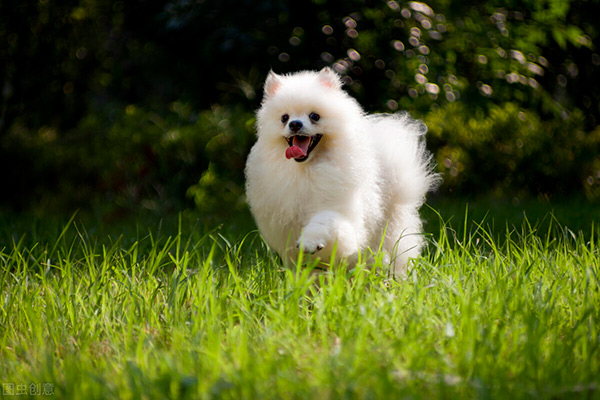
[(272, 84)]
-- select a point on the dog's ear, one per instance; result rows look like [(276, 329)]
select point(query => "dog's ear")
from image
[(330, 78), (272, 84)]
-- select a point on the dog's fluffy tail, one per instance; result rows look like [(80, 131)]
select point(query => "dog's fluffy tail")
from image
[(407, 167)]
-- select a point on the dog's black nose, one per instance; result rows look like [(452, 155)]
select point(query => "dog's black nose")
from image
[(295, 125)]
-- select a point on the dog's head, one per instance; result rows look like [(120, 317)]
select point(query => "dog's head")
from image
[(303, 113)]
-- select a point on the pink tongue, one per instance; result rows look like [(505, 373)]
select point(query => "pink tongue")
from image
[(293, 152), (299, 147)]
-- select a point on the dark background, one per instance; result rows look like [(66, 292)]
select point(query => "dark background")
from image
[(126, 105)]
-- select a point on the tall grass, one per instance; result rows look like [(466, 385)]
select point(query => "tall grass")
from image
[(190, 315)]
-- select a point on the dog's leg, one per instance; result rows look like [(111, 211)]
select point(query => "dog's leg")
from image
[(326, 228)]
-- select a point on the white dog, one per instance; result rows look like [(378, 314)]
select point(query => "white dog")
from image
[(323, 175)]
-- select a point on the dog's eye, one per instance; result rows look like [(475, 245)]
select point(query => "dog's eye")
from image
[(285, 118), (314, 117)]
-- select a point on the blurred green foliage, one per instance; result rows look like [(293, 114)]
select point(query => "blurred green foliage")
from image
[(513, 151), (149, 104)]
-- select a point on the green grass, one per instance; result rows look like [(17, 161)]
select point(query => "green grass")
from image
[(493, 309)]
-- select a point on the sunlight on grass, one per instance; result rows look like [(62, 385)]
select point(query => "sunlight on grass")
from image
[(193, 315)]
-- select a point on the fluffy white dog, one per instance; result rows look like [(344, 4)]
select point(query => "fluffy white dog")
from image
[(323, 175)]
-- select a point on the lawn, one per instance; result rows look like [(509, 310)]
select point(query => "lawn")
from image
[(504, 303)]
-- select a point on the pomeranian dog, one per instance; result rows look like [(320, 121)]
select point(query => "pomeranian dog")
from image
[(325, 178)]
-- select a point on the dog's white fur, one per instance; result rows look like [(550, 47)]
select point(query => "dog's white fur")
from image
[(361, 186)]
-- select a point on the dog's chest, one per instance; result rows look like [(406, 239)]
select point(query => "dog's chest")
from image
[(295, 191)]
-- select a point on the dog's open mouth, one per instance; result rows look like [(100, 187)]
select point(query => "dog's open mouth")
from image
[(300, 146)]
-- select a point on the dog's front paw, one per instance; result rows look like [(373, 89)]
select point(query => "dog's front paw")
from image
[(310, 243), (320, 232), (309, 248)]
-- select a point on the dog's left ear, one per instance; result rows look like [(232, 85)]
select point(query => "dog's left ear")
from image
[(272, 84), (330, 78)]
